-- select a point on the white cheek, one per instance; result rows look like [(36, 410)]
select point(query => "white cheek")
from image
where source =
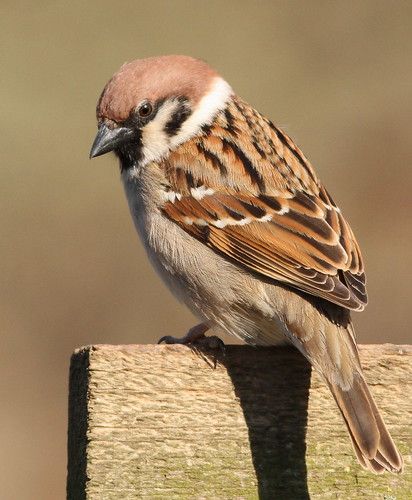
[(155, 141)]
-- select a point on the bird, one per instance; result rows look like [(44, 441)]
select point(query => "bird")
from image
[(237, 224)]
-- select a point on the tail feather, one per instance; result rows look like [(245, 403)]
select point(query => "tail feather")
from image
[(373, 465), (371, 440), (327, 338)]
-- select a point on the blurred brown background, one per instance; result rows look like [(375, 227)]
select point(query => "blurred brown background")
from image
[(336, 75)]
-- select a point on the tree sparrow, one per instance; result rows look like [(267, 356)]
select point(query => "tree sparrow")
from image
[(236, 222)]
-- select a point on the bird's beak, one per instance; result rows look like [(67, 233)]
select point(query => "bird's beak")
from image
[(108, 139)]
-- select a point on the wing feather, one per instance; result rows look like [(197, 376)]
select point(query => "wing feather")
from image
[(247, 192)]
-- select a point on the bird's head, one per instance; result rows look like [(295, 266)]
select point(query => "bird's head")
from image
[(151, 106)]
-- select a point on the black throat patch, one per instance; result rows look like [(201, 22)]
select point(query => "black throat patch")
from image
[(131, 153)]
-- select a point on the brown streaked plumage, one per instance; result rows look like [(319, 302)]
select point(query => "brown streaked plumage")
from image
[(236, 222), (282, 225)]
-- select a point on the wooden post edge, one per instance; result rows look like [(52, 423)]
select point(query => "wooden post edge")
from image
[(160, 421)]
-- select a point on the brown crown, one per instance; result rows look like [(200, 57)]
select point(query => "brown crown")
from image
[(153, 78)]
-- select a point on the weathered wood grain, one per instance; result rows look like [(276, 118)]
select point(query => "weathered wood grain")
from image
[(148, 421)]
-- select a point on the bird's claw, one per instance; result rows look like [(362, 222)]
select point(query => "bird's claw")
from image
[(213, 342), (199, 342), (168, 339)]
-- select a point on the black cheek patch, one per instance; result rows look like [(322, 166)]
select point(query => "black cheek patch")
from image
[(173, 126)]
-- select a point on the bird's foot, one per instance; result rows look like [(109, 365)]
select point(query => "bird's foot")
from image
[(197, 340), (195, 334)]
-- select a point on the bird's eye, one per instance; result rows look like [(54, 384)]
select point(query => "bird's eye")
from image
[(145, 110)]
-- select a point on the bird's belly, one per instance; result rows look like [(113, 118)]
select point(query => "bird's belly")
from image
[(213, 288)]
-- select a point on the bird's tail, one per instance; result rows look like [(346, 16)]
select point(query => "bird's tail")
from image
[(371, 441)]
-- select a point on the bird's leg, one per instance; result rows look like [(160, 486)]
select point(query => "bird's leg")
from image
[(196, 335)]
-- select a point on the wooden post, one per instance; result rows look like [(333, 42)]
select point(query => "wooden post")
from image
[(159, 421)]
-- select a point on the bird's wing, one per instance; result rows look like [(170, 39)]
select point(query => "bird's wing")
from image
[(285, 228)]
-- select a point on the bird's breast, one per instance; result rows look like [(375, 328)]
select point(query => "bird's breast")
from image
[(211, 286)]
